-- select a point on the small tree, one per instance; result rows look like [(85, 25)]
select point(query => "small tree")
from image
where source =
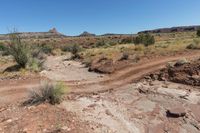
[(19, 50), (198, 33)]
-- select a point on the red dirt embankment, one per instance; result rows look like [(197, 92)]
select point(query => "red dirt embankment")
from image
[(187, 73)]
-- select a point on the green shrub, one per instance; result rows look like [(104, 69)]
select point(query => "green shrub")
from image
[(73, 48), (127, 40), (198, 33), (35, 65), (113, 43), (26, 56), (101, 43), (3, 50), (46, 48), (2, 47), (19, 50), (47, 92), (145, 39)]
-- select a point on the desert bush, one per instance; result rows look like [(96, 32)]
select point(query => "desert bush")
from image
[(198, 33), (194, 45), (125, 56), (46, 48), (34, 65), (19, 50), (145, 39), (113, 43), (26, 56), (47, 92), (73, 48), (36, 52), (101, 43), (139, 48), (127, 40), (2, 47), (57, 51)]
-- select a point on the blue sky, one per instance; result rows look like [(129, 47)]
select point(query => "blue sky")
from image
[(72, 17)]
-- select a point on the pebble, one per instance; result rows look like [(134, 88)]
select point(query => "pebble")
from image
[(9, 120), (66, 128)]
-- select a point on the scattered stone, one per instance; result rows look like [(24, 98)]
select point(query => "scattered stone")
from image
[(165, 86), (143, 90), (9, 121), (147, 77), (25, 130), (91, 106), (151, 83), (181, 62), (65, 128), (108, 112), (2, 109), (176, 112)]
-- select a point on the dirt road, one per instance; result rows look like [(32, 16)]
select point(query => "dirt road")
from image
[(127, 75), (14, 90)]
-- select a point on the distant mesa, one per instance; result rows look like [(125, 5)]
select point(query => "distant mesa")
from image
[(87, 34), (52, 33), (173, 29), (54, 30)]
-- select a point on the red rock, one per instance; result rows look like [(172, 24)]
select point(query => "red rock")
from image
[(176, 112)]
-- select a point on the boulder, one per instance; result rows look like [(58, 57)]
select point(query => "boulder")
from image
[(102, 65)]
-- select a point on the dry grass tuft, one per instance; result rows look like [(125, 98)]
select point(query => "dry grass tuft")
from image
[(47, 92)]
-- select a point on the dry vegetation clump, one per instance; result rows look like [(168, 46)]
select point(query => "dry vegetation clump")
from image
[(198, 33), (194, 45), (2, 47), (46, 48), (125, 56), (47, 92), (74, 49)]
